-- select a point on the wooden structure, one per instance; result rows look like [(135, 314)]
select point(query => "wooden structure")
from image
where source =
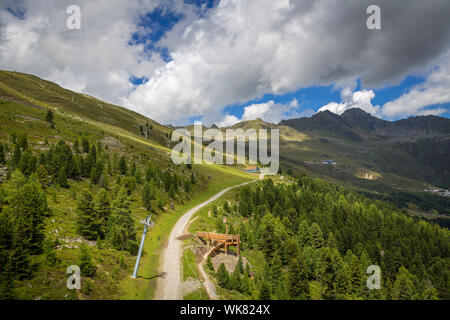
[(226, 239)]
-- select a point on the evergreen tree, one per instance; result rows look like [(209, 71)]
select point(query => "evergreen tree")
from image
[(76, 146), (25, 218), (342, 285), (222, 276), (27, 163), (87, 266), (316, 236), (147, 197), (331, 241), (209, 264), (50, 253), (355, 273), (42, 175), (235, 280), (298, 281), (23, 141), (303, 234), (85, 145), (49, 116), (62, 178), (122, 234), (2, 154), (429, 293), (88, 223), (264, 291), (16, 156), (275, 268), (122, 166), (240, 265), (404, 287), (102, 209)]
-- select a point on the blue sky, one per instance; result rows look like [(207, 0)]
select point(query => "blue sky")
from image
[(310, 99), (182, 61)]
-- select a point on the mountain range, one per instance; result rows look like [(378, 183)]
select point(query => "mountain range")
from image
[(370, 153)]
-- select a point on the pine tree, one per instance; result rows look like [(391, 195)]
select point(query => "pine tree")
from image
[(275, 268), (235, 280), (87, 266), (209, 264), (42, 175), (331, 241), (102, 209), (264, 291), (16, 156), (404, 287), (355, 273), (76, 146), (27, 210), (342, 285), (222, 276), (49, 116), (62, 178), (122, 234), (23, 141), (147, 197), (27, 163), (303, 234), (316, 236), (122, 166), (245, 285), (50, 253), (133, 169), (85, 145), (240, 265), (298, 281), (87, 220), (2, 154), (429, 293)]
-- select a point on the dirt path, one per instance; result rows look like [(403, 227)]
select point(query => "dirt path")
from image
[(169, 287)]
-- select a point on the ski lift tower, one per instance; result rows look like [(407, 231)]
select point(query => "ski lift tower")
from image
[(148, 223)]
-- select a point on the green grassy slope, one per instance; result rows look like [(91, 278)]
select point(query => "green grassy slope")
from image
[(47, 94), (119, 135)]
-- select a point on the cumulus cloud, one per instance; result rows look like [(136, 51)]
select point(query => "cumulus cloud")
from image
[(233, 53), (96, 59), (359, 99), (269, 111), (245, 49), (434, 91)]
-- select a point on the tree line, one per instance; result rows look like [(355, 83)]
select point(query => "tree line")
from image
[(317, 238)]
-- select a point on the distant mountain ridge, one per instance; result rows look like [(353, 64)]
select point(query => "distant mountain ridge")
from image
[(355, 123)]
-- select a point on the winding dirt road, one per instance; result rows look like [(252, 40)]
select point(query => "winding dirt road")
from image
[(169, 287)]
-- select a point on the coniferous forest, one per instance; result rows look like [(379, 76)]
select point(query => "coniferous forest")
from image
[(319, 239)]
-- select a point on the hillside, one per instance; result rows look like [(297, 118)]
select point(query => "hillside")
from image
[(29, 89), (404, 154), (75, 180)]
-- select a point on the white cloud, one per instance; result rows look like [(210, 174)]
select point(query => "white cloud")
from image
[(234, 53), (435, 90), (269, 111), (228, 121), (359, 99), (96, 59), (242, 50)]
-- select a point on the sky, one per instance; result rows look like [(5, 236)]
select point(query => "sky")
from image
[(224, 61)]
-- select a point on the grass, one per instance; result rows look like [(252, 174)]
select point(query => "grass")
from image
[(143, 288), (189, 266), (111, 282), (199, 294)]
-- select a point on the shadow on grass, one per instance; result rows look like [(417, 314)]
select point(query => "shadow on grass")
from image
[(159, 275)]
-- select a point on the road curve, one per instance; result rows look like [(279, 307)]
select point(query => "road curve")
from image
[(169, 286)]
